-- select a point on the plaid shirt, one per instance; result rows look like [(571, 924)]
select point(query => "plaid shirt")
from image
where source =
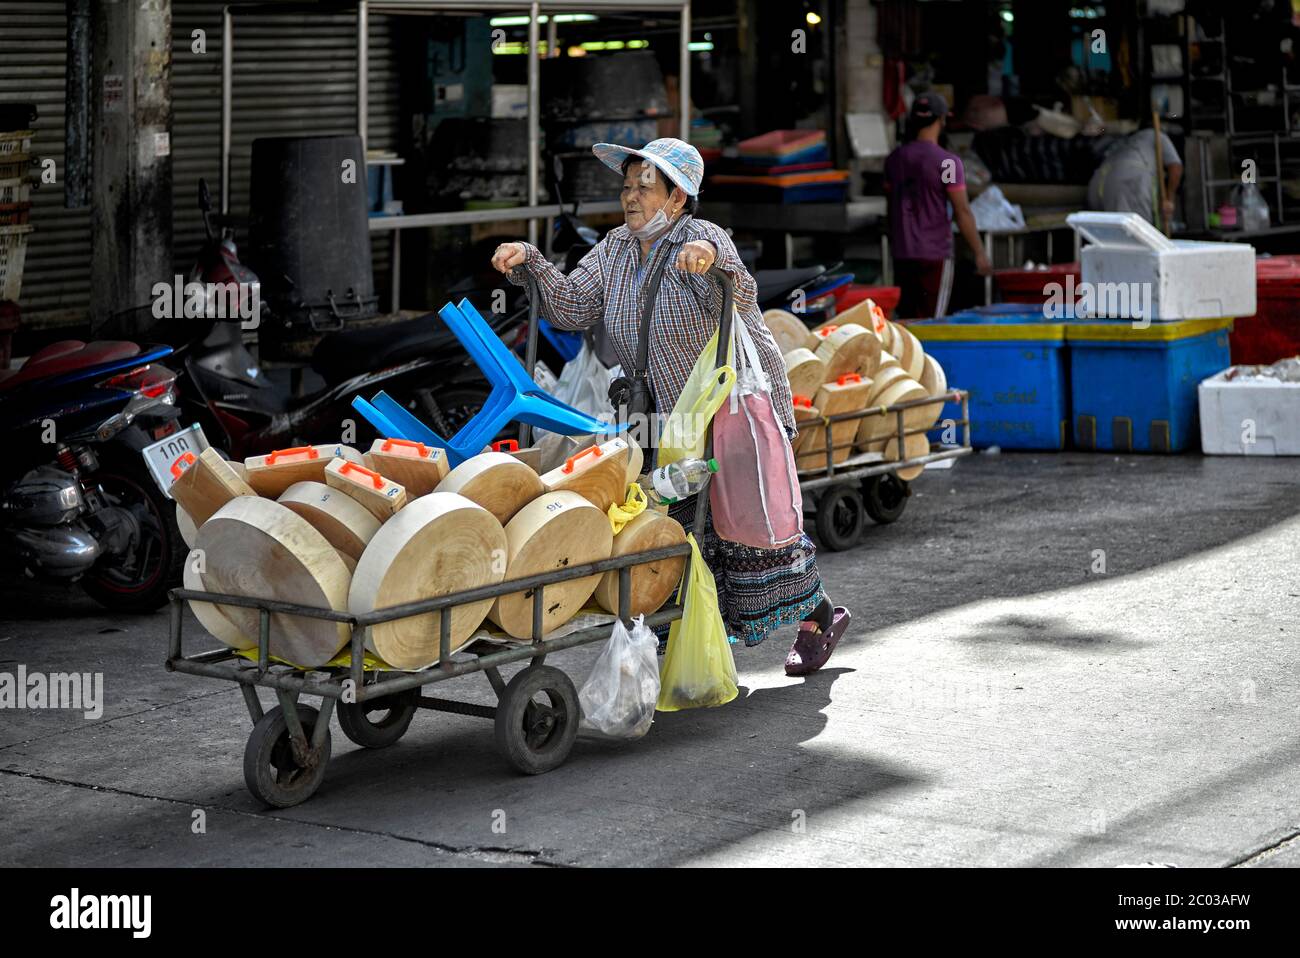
[(604, 285)]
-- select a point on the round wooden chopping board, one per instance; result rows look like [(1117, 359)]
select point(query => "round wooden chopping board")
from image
[(912, 356), (345, 523), (805, 371), (653, 582), (898, 387), (849, 349), (915, 447), (555, 531), (260, 548), (635, 461), (439, 544), (935, 382), (189, 531), (211, 616), (787, 329), (498, 482), (933, 378)]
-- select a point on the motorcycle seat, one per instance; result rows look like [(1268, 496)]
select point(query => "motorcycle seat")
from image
[(349, 353), (66, 356), (778, 283)]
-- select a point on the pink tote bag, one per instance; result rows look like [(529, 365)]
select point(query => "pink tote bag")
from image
[(754, 496)]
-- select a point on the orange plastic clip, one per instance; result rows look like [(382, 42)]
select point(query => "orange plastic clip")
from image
[(420, 449), (506, 445), (849, 378), (825, 331), (308, 451), (177, 468), (375, 477), (568, 463)]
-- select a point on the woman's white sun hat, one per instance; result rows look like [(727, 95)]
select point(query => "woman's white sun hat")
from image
[(678, 160)]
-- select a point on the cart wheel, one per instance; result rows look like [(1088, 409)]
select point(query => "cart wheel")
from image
[(376, 723), (270, 771), (839, 518), (536, 736), (885, 497)]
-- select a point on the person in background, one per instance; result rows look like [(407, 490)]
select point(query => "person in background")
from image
[(1126, 180), (923, 182)]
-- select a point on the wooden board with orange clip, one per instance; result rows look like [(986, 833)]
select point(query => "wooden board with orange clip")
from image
[(530, 456), (275, 472), (203, 484), (413, 465), (848, 393), (381, 496), (597, 473)]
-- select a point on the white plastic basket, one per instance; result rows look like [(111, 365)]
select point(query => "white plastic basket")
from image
[(13, 253), (17, 141)]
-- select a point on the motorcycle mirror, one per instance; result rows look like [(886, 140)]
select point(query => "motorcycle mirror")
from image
[(557, 169), (205, 197)]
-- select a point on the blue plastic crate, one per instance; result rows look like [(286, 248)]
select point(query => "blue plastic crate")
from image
[(1013, 366), (1134, 390)]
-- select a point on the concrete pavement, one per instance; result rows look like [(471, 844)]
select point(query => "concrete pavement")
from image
[(1055, 660)]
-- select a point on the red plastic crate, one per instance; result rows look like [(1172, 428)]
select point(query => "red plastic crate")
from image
[(886, 297), (1026, 285), (1273, 333)]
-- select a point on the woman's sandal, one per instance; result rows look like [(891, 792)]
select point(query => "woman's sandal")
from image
[(813, 648)]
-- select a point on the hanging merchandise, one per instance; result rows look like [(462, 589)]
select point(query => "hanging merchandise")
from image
[(618, 699), (698, 670), (755, 496)]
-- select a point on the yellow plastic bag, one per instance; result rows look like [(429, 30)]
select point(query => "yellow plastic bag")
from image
[(687, 426), (698, 670), (621, 513)]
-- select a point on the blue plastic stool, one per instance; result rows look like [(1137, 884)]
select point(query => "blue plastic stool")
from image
[(514, 397)]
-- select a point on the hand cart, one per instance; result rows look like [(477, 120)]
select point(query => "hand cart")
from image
[(289, 747), (865, 485)]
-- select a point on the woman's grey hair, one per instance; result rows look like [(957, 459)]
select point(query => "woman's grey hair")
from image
[(692, 202)]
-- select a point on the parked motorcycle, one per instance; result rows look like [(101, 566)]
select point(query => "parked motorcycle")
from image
[(77, 499), (418, 361)]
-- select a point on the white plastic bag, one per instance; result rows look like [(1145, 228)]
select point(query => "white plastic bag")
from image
[(584, 385), (993, 211), (618, 699)]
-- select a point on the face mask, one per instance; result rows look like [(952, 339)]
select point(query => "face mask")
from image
[(657, 224)]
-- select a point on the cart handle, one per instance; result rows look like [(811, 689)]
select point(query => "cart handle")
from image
[(848, 378), (420, 448), (309, 451), (177, 468), (506, 445), (349, 466), (568, 463)]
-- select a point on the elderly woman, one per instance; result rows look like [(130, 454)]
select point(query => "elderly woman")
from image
[(758, 589)]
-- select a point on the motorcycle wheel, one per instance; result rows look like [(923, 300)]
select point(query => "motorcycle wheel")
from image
[(160, 552), (452, 407)]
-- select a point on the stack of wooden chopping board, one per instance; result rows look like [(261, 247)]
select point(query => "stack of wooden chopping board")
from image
[(330, 527), (858, 361)]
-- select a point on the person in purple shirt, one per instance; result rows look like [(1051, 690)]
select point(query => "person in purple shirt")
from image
[(922, 180)]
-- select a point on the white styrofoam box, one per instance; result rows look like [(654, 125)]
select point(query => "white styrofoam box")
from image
[(1234, 411), (1173, 279)]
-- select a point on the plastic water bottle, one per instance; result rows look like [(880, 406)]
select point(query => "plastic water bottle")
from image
[(676, 481)]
